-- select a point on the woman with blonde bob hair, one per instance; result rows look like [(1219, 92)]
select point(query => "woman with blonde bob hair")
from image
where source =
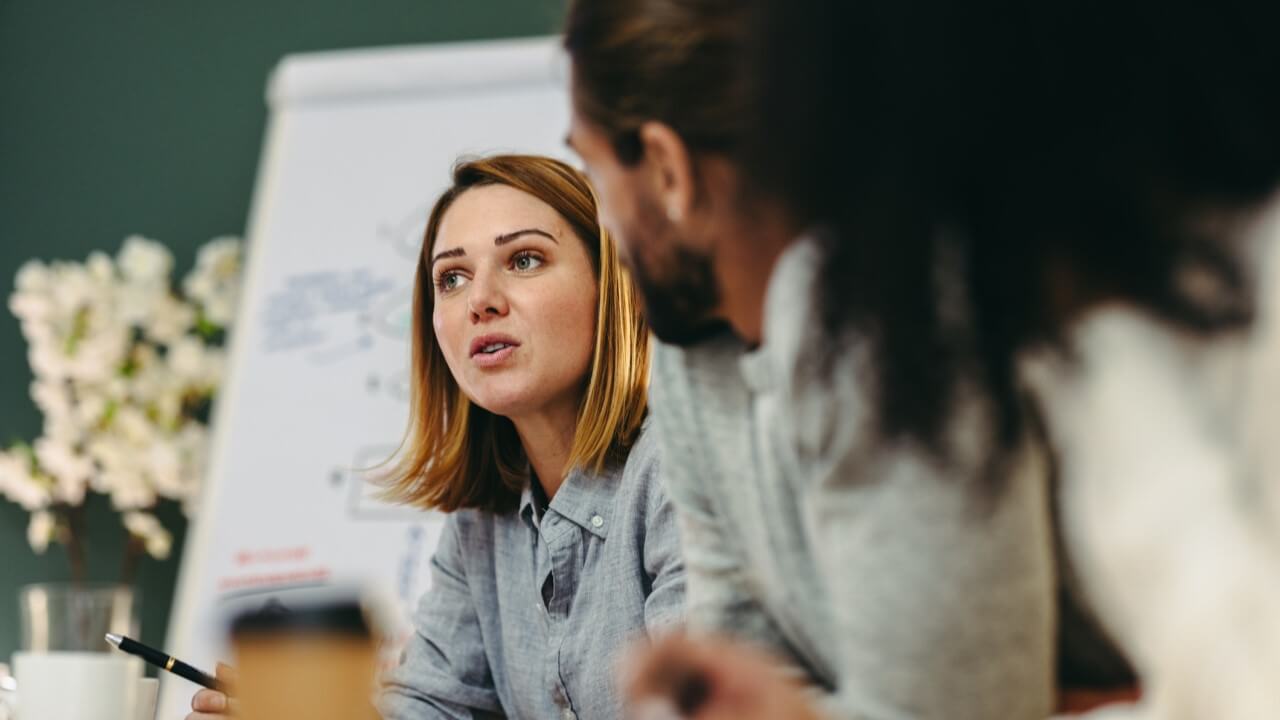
[(527, 426), (462, 455), (531, 365)]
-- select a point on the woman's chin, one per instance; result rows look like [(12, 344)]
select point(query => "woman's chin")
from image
[(507, 404), (514, 397)]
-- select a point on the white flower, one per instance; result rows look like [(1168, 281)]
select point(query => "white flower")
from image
[(140, 523), (39, 333), (99, 355), (129, 489), (116, 389), (168, 407), (115, 360), (72, 329), (33, 276), (74, 287), (164, 465), (146, 527), (18, 484), (159, 545), (135, 302), (143, 295), (90, 408), (195, 364), (144, 358), (63, 428), (101, 267), (48, 362), (40, 530), (186, 358), (52, 397), (220, 303), (30, 306), (214, 283), (221, 258), (134, 426), (169, 320), (220, 308), (70, 469), (145, 261), (113, 455)]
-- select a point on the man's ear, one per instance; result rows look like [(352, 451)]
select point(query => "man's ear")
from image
[(670, 169)]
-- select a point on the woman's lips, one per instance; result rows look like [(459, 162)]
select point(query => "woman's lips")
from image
[(493, 349), (490, 342), (493, 359)]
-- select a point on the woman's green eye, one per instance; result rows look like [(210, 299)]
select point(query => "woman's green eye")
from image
[(526, 261), (448, 281)]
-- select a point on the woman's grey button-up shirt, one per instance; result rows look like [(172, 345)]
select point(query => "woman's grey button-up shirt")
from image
[(526, 614)]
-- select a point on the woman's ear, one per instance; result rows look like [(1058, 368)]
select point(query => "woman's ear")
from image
[(669, 165)]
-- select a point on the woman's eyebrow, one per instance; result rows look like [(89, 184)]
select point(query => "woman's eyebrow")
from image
[(508, 237), (455, 252), (498, 241)]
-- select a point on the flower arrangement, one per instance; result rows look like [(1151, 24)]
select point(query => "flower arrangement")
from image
[(126, 365)]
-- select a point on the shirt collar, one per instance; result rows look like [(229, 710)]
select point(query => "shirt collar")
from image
[(789, 312), (527, 502), (585, 499)]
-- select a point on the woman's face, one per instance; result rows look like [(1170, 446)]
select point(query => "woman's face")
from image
[(514, 307)]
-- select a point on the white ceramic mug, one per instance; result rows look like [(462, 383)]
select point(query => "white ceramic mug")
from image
[(148, 689), (77, 686)]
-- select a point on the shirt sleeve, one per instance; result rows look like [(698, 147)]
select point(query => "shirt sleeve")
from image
[(718, 598), (664, 608), (939, 583), (445, 673), (941, 587)]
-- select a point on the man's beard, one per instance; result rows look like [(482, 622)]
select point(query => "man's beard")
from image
[(677, 284)]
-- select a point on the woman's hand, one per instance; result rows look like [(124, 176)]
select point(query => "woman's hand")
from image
[(211, 704), (704, 679)]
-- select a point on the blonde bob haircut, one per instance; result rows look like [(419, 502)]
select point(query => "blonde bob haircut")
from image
[(458, 455)]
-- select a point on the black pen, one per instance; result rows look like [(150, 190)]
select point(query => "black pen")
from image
[(161, 660)]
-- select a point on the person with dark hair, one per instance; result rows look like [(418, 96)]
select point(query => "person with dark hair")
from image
[(942, 604), (1065, 214)]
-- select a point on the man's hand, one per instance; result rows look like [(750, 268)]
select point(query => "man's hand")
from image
[(704, 679)]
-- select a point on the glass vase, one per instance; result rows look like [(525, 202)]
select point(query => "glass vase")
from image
[(59, 617)]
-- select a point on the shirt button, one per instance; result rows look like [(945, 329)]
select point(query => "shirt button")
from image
[(569, 714), (596, 521)]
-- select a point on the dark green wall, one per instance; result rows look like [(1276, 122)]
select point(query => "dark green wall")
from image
[(124, 117)]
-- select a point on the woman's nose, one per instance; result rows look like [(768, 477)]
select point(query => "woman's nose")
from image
[(486, 299)]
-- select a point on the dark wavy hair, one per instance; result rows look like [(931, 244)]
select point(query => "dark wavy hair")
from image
[(680, 62), (1046, 156)]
